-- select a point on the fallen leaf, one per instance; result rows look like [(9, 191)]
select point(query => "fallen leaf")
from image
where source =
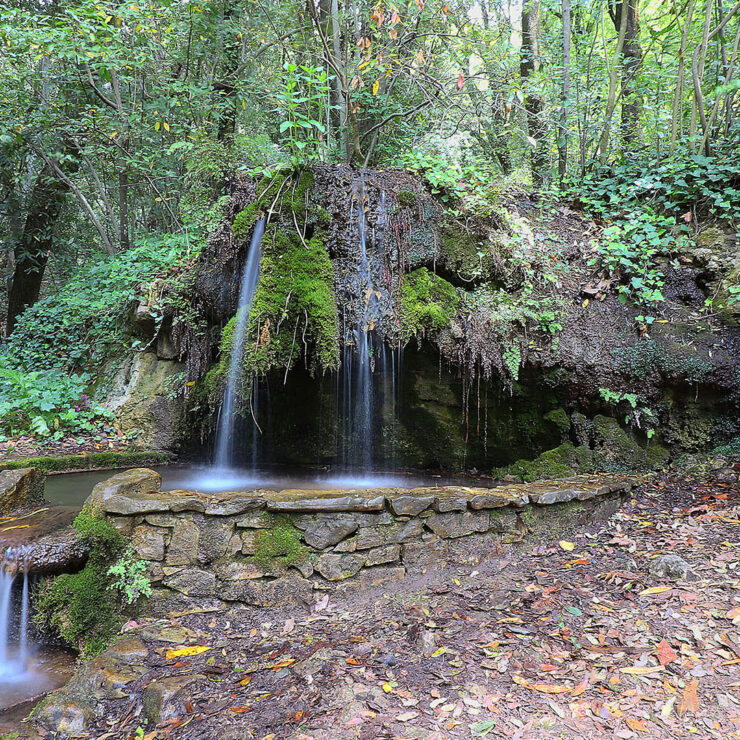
[(545, 688), (567, 546), (406, 716), (655, 590), (635, 724), (194, 650), (690, 700), (666, 654), (639, 670)]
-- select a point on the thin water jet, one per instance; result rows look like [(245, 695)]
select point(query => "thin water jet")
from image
[(224, 456)]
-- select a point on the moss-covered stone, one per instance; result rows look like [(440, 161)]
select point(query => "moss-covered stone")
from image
[(428, 303), (561, 420), (407, 198), (279, 545), (91, 461)]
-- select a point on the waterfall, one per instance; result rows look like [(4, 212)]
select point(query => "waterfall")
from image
[(362, 398), (13, 662), (225, 433)]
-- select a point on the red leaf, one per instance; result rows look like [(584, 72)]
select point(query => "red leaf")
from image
[(460, 81), (666, 654)]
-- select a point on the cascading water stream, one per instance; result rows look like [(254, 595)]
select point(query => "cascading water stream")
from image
[(13, 661), (225, 434)]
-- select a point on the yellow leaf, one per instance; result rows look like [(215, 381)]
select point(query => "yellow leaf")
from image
[(245, 681), (194, 650), (667, 708), (585, 303), (640, 670), (655, 590), (166, 126), (567, 546), (440, 651), (157, 125), (387, 688), (376, 87), (635, 724)]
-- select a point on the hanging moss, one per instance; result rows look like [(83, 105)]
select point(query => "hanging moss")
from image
[(267, 191), (428, 303), (294, 306)]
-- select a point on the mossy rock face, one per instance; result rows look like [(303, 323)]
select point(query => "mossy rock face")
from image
[(561, 462), (428, 304), (561, 420)]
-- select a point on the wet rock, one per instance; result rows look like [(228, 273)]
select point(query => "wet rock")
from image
[(458, 524), (381, 555), (337, 567), (305, 568), (248, 542), (163, 699), (192, 582), (160, 520), (324, 533), (673, 568), (148, 542), (62, 714), (228, 504), (183, 548), (174, 501), (368, 537), (127, 482), (129, 650), (450, 500), (19, 487), (297, 501), (410, 505)]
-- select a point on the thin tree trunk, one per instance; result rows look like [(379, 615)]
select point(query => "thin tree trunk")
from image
[(565, 94), (533, 104), (631, 63), (678, 110), (611, 102)]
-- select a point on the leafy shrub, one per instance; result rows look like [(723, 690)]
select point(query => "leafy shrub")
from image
[(46, 403), (129, 577), (85, 322)]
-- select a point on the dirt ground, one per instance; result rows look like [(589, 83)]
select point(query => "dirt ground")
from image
[(569, 639)]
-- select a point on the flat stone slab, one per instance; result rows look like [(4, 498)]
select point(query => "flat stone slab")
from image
[(298, 501)]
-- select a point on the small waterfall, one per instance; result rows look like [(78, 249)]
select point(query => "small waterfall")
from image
[(225, 433), (13, 572)]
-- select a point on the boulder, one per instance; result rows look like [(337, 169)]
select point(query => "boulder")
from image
[(143, 401), (20, 487), (127, 482), (338, 566)]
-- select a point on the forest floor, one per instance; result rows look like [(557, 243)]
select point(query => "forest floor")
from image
[(563, 639)]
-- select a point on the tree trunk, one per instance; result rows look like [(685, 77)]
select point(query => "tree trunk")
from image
[(529, 66), (631, 63), (565, 94), (35, 244)]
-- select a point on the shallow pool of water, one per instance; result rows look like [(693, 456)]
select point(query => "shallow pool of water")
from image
[(71, 489)]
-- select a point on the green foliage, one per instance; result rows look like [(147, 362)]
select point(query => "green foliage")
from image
[(637, 412), (675, 362), (428, 303), (279, 545), (46, 404), (80, 608), (302, 105), (129, 577), (629, 251), (87, 319)]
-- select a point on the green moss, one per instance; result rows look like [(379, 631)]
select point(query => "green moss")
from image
[(428, 303), (280, 545), (92, 461), (407, 198), (561, 420), (81, 608), (267, 192), (294, 306), (460, 251), (560, 462)]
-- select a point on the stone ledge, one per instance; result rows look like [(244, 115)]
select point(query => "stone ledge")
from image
[(267, 548)]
